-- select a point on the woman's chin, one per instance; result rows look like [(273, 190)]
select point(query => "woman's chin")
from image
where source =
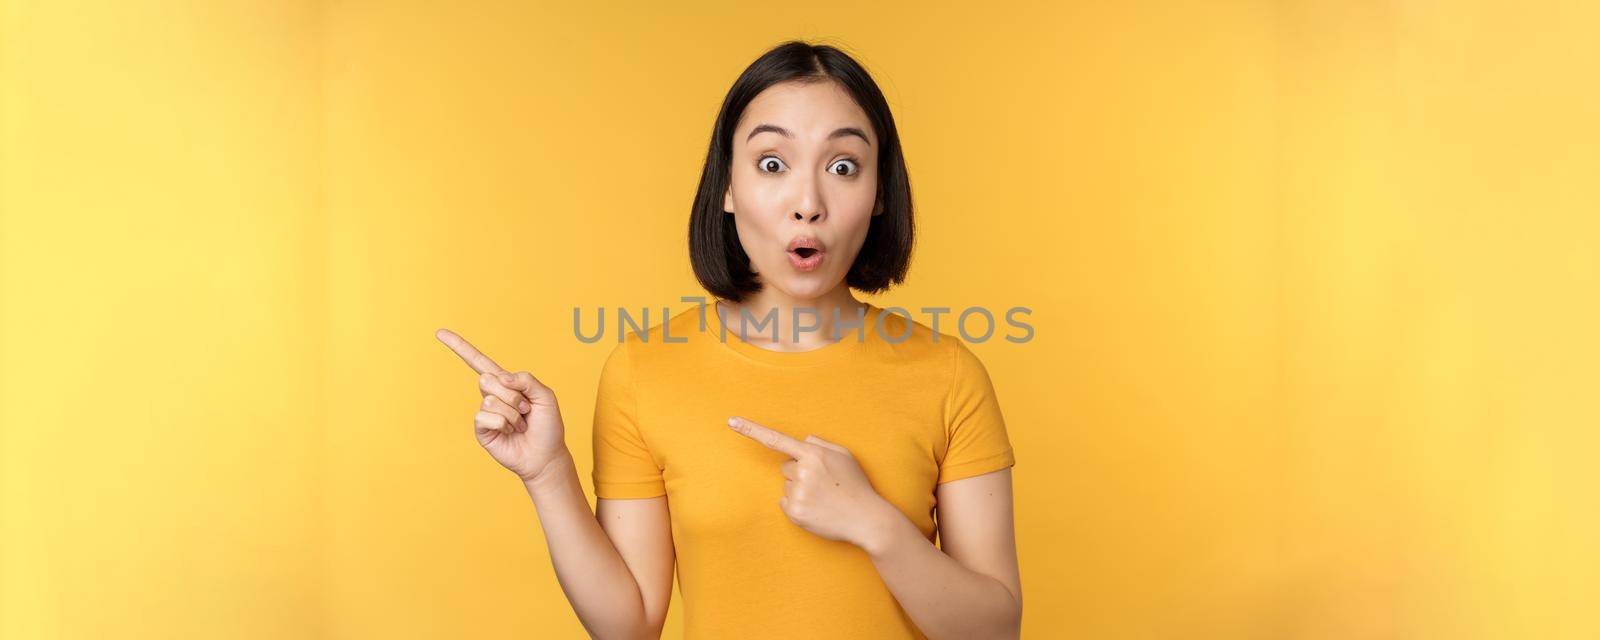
[(805, 286)]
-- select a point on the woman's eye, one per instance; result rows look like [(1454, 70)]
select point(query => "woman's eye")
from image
[(849, 168), (770, 164)]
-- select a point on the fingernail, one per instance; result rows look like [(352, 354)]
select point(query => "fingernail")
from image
[(524, 406), (733, 422)]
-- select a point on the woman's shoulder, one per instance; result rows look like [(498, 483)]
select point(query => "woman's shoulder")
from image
[(643, 336), (909, 338)]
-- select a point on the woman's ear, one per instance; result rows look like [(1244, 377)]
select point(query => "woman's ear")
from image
[(877, 207), (727, 200)]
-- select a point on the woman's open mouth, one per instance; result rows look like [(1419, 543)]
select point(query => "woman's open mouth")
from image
[(805, 253)]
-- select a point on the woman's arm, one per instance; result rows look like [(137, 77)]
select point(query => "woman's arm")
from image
[(615, 565), (970, 589), (619, 586)]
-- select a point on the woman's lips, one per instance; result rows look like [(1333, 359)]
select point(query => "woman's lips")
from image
[(805, 258), (805, 253)]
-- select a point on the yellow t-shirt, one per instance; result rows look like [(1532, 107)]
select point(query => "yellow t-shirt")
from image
[(914, 413)]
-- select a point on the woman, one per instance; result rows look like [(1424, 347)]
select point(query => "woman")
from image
[(811, 514)]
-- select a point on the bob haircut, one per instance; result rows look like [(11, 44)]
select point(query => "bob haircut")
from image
[(720, 262)]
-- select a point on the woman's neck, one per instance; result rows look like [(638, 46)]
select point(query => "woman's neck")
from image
[(816, 325)]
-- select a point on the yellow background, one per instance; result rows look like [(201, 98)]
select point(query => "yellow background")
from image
[(1314, 284)]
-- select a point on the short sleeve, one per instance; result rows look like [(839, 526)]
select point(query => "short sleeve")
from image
[(623, 466), (974, 427)]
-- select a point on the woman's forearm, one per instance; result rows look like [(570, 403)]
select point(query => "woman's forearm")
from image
[(944, 598), (594, 577)]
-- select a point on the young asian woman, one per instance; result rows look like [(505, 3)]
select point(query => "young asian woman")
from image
[(845, 474)]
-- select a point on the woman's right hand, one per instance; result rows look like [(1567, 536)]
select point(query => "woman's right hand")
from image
[(518, 421)]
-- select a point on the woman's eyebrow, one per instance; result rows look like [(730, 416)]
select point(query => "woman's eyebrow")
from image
[(837, 133)]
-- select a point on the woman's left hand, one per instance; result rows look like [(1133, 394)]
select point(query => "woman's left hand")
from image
[(826, 492)]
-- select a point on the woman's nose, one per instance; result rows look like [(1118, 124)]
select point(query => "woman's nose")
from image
[(807, 201)]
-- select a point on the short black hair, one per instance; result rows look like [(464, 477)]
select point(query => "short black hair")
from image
[(720, 262)]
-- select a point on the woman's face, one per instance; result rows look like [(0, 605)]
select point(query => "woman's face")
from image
[(805, 172)]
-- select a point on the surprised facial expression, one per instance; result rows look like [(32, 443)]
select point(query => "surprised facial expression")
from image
[(804, 185)]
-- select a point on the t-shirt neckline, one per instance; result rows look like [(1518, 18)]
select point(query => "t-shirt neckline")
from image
[(851, 341)]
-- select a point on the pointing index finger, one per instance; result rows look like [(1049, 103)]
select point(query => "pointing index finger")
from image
[(474, 358), (774, 440)]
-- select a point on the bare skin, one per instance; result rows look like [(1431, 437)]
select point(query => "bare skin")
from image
[(616, 564), (810, 182)]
